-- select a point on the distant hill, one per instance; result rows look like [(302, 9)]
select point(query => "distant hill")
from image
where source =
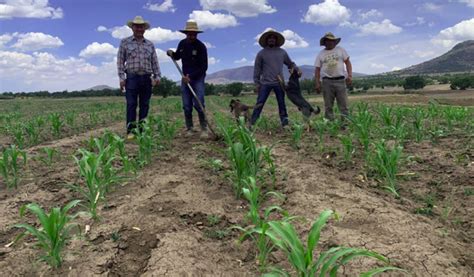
[(245, 74), (458, 59), (101, 87)]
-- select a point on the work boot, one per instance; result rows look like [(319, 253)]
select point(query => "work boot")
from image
[(204, 134), (202, 121), (188, 120), (189, 132)]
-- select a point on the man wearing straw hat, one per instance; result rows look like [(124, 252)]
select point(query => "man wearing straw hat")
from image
[(268, 66), (330, 69), (139, 71), (193, 54)]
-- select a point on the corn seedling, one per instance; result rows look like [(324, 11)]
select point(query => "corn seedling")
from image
[(271, 167), (385, 163), (32, 132), (347, 146), (145, 142), (320, 126), (56, 124), (301, 257), (418, 117), (54, 232), (362, 122), (49, 155), (259, 225), (9, 165), (19, 136), (97, 177), (296, 135)]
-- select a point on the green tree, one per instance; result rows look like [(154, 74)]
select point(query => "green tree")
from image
[(234, 88), (462, 83), (414, 82), (165, 88)]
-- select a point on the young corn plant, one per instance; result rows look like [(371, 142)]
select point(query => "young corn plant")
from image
[(259, 224), (54, 232), (96, 182), (385, 163), (19, 136), (347, 147), (297, 135), (301, 257), (362, 123), (56, 124), (10, 165), (146, 143), (418, 117), (32, 131), (49, 154), (320, 126), (270, 161)]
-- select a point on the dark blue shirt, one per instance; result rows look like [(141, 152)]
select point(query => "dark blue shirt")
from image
[(194, 58)]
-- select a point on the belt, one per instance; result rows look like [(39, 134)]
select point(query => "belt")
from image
[(138, 73), (334, 78)]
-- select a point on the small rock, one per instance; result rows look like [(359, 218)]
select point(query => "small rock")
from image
[(123, 245)]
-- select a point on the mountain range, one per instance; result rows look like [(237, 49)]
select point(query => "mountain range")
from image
[(459, 59)]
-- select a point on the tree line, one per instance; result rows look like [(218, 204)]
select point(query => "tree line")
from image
[(168, 87)]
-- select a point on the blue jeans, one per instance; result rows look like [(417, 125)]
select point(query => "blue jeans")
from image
[(138, 92), (262, 98), (189, 102)]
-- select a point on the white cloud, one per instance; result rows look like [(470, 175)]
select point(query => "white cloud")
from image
[(212, 60), (162, 57), (424, 54), (241, 8), (101, 29), (209, 20), (241, 61), (396, 68), (431, 7), (383, 28), (208, 45), (43, 71), (330, 12), (160, 35), (121, 32), (394, 47), (462, 31), (419, 21), (377, 66), (166, 6), (98, 49), (29, 9), (369, 14), (293, 40), (36, 41), (470, 3), (4, 39)]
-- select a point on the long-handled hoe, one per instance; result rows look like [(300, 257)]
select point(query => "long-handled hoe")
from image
[(214, 134)]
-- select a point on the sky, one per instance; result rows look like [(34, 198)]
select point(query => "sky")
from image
[(59, 45)]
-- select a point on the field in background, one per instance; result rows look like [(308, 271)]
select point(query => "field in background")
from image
[(173, 216)]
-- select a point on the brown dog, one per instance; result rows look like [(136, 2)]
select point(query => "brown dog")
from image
[(239, 109)]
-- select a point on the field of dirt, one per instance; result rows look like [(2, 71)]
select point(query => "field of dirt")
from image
[(173, 219)]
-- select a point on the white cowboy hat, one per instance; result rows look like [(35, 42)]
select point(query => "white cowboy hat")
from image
[(329, 36), (263, 38), (138, 20), (191, 26)]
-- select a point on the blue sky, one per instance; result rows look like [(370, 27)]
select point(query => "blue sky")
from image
[(71, 45)]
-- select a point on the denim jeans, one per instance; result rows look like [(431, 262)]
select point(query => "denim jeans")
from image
[(262, 98), (189, 102), (138, 93)]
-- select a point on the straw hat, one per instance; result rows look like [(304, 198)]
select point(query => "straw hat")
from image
[(191, 26), (138, 20), (263, 38), (329, 36)]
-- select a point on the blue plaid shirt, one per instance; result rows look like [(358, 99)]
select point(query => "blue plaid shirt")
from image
[(137, 57)]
